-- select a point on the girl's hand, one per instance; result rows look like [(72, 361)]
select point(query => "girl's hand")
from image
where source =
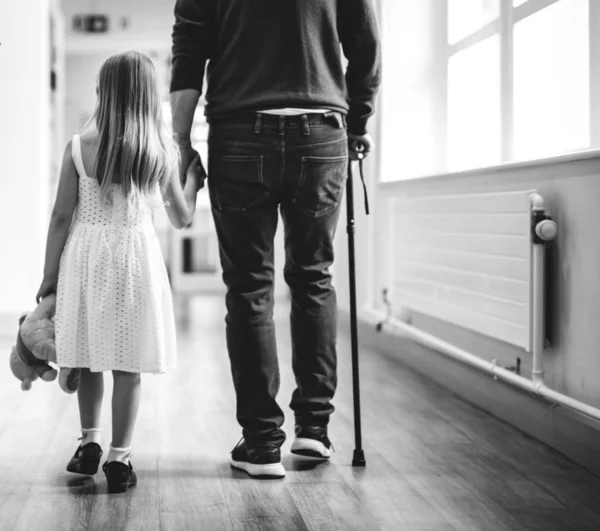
[(195, 172), (187, 156), (47, 287), (191, 184)]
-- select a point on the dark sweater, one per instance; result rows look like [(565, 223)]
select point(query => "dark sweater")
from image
[(268, 54)]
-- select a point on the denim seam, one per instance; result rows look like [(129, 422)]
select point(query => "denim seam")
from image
[(282, 172), (305, 146)]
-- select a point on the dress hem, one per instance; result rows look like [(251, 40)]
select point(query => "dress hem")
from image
[(107, 369)]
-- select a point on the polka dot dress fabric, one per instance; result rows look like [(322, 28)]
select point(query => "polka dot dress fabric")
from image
[(113, 308)]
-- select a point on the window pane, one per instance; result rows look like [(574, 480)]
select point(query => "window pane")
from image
[(411, 95), (551, 81), (474, 106), (409, 143), (467, 16), (518, 2)]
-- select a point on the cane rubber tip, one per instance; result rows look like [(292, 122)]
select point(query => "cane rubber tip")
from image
[(359, 458)]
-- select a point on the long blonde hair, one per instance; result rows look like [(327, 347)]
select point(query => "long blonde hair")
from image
[(135, 149)]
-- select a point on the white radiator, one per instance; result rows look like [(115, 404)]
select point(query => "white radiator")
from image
[(466, 260)]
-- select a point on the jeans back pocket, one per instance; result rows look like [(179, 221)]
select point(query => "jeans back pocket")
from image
[(236, 182), (321, 184)]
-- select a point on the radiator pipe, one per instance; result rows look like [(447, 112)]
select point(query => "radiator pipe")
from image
[(400, 328), (543, 230)]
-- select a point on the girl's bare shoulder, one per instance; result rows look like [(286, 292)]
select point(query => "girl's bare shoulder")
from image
[(89, 137)]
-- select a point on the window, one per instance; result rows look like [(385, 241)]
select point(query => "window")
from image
[(474, 106), (472, 83), (467, 16), (411, 96), (551, 81)]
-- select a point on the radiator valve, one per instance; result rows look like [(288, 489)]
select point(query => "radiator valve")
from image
[(546, 230), (543, 228)]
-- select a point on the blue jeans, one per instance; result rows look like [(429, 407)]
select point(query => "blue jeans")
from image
[(256, 165)]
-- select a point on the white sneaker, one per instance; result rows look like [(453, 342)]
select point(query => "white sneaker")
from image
[(261, 463), (312, 442)]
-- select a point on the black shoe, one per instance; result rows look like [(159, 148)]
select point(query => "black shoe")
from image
[(86, 459), (262, 462), (119, 476), (312, 442)]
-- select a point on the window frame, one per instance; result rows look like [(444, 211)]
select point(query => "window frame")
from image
[(503, 26)]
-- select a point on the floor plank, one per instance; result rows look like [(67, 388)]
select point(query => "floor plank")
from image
[(389, 497), (268, 523), (434, 462), (210, 520), (38, 497), (11, 506), (330, 506), (463, 504), (554, 520), (138, 509), (189, 479)]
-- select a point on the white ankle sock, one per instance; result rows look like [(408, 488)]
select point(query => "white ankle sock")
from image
[(119, 454), (89, 435)]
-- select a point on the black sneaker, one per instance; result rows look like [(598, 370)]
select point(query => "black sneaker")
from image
[(119, 476), (261, 463), (86, 459), (312, 442)]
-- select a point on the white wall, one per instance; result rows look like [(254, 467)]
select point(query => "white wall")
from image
[(80, 97), (148, 30), (24, 150), (146, 20)]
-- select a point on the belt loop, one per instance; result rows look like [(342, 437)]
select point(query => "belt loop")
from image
[(344, 121), (305, 126), (281, 125), (258, 123)]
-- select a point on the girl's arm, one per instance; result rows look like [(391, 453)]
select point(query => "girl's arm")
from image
[(180, 203), (60, 222)]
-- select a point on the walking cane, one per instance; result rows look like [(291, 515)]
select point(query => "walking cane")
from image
[(358, 458)]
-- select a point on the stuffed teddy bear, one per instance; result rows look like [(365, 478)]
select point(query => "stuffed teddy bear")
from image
[(36, 347)]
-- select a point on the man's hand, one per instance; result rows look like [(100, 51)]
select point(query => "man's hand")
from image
[(359, 144), (187, 155), (195, 174)]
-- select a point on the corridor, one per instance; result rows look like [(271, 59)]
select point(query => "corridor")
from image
[(477, 265), (434, 462)]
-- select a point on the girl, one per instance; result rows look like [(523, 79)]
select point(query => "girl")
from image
[(114, 309)]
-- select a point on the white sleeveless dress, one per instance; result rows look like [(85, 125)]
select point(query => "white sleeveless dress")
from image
[(114, 309)]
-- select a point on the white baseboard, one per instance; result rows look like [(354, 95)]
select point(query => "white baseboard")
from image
[(568, 432)]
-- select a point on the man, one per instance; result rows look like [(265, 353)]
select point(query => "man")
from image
[(282, 116)]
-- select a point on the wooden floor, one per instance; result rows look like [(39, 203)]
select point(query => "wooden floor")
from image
[(434, 463)]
